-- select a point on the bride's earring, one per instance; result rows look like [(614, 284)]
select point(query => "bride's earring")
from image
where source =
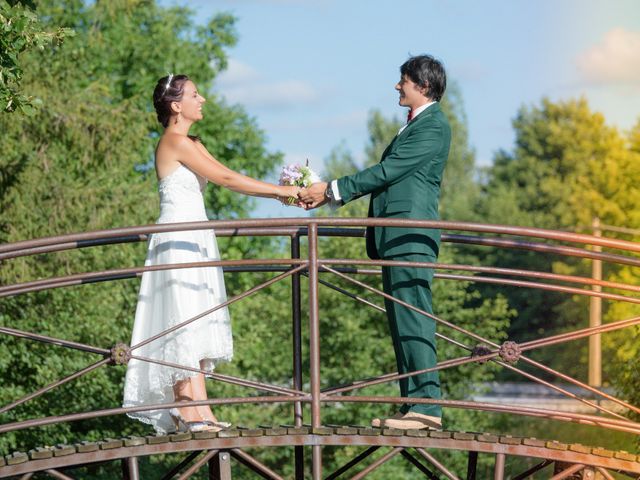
[(177, 117)]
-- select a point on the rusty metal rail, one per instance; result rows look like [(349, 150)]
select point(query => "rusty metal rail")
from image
[(84, 453), (220, 449)]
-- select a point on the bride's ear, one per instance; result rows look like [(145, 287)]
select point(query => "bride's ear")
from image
[(176, 107)]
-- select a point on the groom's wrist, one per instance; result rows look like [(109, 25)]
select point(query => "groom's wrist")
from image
[(328, 193), (336, 192), (332, 195)]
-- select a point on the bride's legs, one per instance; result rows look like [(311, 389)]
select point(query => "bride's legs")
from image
[(184, 392), (200, 393), (194, 388)]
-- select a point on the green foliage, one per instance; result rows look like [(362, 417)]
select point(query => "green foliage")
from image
[(21, 31), (567, 167), (460, 189), (81, 163)]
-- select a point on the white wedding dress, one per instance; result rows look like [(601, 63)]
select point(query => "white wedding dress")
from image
[(169, 297)]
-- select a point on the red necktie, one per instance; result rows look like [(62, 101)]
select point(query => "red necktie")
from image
[(409, 115)]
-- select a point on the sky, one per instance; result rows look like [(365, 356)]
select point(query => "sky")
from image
[(311, 71)]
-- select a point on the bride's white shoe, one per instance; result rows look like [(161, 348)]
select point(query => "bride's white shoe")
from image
[(219, 424), (197, 426)]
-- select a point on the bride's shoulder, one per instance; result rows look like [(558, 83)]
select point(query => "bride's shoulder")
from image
[(170, 139), (174, 145)]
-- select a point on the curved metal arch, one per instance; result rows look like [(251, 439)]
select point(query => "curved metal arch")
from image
[(110, 450), (313, 228)]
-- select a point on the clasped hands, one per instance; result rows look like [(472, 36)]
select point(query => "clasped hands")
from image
[(312, 197)]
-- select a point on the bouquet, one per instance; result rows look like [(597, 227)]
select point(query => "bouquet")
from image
[(296, 175)]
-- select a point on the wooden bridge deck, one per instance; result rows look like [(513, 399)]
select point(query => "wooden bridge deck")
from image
[(63, 456)]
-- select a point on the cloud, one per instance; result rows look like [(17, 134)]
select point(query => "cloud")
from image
[(342, 122), (471, 70), (237, 72), (242, 84), (346, 120), (616, 60), (236, 3)]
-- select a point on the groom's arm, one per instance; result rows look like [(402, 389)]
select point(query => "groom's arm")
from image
[(419, 147)]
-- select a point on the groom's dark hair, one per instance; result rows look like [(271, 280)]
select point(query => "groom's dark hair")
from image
[(427, 72)]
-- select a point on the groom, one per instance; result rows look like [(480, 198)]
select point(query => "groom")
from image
[(406, 184)]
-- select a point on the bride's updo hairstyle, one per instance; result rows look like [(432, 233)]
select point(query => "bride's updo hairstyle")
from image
[(168, 89)]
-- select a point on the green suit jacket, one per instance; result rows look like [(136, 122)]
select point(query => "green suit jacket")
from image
[(405, 184)]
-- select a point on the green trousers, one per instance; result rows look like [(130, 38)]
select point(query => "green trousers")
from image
[(412, 333)]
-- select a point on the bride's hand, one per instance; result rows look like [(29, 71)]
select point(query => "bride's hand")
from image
[(289, 196)]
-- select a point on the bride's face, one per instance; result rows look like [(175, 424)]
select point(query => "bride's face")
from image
[(191, 103)]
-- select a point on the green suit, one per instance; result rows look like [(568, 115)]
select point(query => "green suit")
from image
[(406, 184)]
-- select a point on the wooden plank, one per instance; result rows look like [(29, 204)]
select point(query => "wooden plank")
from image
[(133, 441), (602, 452), (271, 430), (509, 440), (487, 438), (231, 433), (61, 450), (205, 435), (86, 446), (16, 457), (463, 436), (157, 439), (40, 453), (534, 442), (578, 447), (110, 443), (554, 445), (622, 455), (417, 433), (180, 436)]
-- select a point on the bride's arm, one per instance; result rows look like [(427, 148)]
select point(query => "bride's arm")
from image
[(194, 156)]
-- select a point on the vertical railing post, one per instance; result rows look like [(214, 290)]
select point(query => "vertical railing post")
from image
[(595, 315), (220, 466), (314, 346), (499, 469), (472, 465), (130, 470), (296, 308)]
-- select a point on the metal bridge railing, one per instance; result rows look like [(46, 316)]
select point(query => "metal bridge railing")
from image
[(479, 348)]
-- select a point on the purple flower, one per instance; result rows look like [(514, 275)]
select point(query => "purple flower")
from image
[(298, 175)]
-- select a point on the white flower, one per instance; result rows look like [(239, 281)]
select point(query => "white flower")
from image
[(298, 175)]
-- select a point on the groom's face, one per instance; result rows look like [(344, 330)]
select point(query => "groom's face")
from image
[(411, 94)]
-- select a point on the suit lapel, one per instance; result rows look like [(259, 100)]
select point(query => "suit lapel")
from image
[(423, 115)]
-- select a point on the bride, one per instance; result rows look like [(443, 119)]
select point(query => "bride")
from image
[(169, 297)]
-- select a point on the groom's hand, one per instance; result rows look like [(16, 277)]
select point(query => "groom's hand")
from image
[(314, 196)]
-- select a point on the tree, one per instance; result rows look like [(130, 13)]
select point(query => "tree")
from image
[(22, 31), (624, 345), (81, 163), (567, 167)]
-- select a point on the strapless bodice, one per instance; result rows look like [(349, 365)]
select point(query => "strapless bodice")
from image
[(181, 196)]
